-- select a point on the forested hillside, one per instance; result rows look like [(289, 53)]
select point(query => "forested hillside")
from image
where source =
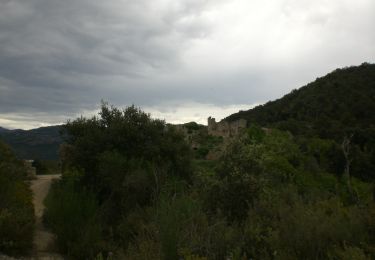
[(40, 143), (338, 106), (340, 102), (2, 130), (131, 189)]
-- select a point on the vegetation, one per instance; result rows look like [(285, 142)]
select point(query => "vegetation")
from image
[(193, 126), (334, 107), (42, 143), (206, 143), (285, 203), (43, 167), (16, 208), (117, 164), (301, 189), (72, 215), (266, 198)]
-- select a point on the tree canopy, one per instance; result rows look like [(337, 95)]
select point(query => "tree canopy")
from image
[(333, 107)]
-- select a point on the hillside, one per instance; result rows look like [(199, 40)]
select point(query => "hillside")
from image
[(130, 185), (2, 130), (42, 143), (340, 102)]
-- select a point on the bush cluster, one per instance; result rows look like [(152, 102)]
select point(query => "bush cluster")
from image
[(16, 208), (131, 190)]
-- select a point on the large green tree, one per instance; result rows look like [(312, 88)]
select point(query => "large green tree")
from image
[(125, 158)]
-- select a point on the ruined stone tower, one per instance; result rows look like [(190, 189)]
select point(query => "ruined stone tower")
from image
[(211, 124), (224, 128)]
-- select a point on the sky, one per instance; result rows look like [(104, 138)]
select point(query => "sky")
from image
[(179, 60)]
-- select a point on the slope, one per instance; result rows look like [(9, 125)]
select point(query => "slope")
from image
[(42, 143), (342, 101)]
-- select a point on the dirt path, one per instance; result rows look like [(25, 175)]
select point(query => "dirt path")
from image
[(43, 238)]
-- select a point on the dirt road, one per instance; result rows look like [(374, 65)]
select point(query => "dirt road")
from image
[(43, 239)]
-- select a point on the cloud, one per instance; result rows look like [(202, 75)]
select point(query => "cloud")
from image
[(86, 37), (59, 59), (197, 112), (172, 112)]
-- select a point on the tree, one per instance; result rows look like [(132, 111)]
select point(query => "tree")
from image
[(16, 208), (40, 167), (125, 156), (346, 146)]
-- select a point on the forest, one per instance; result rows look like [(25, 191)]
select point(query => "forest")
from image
[(297, 183), (137, 191)]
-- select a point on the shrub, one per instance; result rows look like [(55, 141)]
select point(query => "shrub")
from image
[(71, 212), (16, 208)]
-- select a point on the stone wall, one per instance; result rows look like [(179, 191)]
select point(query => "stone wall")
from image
[(224, 128)]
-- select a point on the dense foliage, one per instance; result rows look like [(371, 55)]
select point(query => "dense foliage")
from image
[(301, 188), (286, 203), (268, 197), (129, 188), (336, 106), (343, 99), (16, 208), (72, 213), (116, 164)]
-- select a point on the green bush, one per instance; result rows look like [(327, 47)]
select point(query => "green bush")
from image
[(72, 214), (16, 208), (125, 159), (348, 253), (178, 228), (284, 226), (270, 195), (280, 210)]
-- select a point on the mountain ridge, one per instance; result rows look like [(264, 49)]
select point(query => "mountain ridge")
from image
[(2, 129), (39, 143), (332, 106), (329, 106)]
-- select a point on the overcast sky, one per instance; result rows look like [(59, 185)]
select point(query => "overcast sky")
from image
[(180, 60)]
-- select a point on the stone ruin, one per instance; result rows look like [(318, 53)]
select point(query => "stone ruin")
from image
[(225, 128)]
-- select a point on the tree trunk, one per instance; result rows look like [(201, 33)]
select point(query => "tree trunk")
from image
[(345, 146)]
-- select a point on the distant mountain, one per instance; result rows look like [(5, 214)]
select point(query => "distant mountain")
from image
[(42, 143), (341, 102), (2, 130)]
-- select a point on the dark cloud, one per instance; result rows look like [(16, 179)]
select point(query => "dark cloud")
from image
[(53, 51)]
